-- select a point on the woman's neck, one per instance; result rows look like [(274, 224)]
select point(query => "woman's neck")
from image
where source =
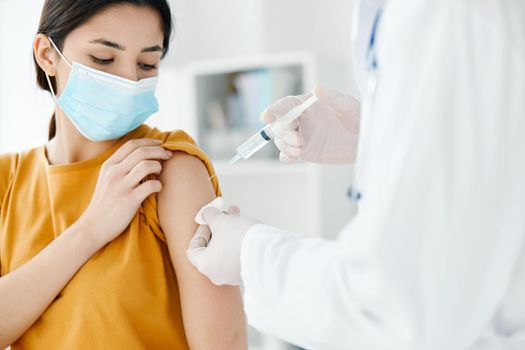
[(70, 146)]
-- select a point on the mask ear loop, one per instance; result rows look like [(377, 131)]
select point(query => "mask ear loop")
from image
[(47, 76), (51, 87), (60, 53)]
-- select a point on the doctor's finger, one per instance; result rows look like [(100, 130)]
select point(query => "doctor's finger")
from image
[(201, 238), (234, 210), (291, 138), (280, 108), (287, 159), (210, 215), (289, 150), (196, 256)]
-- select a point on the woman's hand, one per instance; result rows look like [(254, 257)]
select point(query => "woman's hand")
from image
[(121, 190)]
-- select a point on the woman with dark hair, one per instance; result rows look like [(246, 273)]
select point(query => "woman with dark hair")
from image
[(95, 224)]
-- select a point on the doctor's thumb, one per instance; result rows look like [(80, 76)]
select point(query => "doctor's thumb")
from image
[(209, 215)]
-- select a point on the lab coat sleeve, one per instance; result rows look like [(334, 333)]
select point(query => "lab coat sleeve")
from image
[(429, 258)]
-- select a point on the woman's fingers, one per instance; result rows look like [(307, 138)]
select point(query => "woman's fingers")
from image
[(141, 154), (145, 189), (142, 170), (130, 146)]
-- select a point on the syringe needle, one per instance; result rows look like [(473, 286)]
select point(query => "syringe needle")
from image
[(218, 171), (235, 159)]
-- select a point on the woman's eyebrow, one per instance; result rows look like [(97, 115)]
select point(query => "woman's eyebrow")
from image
[(152, 49), (108, 43), (117, 46)]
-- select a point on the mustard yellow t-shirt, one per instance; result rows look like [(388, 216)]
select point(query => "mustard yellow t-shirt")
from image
[(126, 295)]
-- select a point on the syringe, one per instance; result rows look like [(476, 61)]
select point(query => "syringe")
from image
[(266, 134)]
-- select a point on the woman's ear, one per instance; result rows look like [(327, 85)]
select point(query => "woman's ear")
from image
[(45, 54)]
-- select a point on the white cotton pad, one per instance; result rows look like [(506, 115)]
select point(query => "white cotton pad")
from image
[(216, 203)]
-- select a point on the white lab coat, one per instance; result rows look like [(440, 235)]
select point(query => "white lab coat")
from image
[(435, 257), (364, 15)]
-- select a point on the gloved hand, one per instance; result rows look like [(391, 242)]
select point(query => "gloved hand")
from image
[(215, 250), (326, 133)]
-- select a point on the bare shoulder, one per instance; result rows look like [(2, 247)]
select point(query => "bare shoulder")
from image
[(183, 167), (186, 188)]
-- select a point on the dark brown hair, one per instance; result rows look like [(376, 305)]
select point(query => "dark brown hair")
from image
[(61, 17)]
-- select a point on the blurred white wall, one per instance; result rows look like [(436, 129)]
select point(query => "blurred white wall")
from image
[(228, 28), (320, 27), (24, 109), (216, 29)]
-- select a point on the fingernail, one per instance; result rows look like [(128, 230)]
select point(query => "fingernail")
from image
[(158, 142)]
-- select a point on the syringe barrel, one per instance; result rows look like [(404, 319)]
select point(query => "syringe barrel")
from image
[(266, 134), (256, 142)]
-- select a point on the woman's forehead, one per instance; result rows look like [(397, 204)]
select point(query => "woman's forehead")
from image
[(130, 26)]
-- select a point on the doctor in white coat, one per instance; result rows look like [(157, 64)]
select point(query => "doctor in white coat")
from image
[(435, 257)]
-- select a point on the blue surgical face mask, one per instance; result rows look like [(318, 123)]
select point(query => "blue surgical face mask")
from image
[(104, 106)]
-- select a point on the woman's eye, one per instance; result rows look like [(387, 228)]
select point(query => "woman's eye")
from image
[(147, 66), (101, 60)]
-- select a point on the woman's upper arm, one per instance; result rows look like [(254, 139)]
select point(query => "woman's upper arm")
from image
[(212, 315)]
